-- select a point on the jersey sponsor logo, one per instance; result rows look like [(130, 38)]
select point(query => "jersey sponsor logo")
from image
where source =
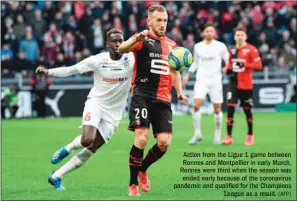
[(113, 80), (271, 95), (115, 69), (159, 56)]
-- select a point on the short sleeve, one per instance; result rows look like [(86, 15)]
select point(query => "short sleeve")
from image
[(87, 65), (137, 46)]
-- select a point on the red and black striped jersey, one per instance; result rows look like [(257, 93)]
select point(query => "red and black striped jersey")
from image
[(251, 60), (151, 75)]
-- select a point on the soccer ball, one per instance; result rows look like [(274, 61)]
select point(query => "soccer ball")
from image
[(180, 59)]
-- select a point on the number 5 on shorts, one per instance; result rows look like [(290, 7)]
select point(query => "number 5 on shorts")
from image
[(143, 113)]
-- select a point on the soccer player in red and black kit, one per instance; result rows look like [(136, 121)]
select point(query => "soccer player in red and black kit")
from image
[(151, 89), (244, 58)]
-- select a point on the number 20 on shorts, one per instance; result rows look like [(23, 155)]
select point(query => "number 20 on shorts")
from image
[(142, 112)]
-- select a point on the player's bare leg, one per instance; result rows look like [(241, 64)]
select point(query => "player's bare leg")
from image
[(135, 159), (218, 118), (230, 120), (153, 155), (76, 143), (196, 122), (91, 140)]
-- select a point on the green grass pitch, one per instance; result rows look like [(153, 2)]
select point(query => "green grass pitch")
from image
[(27, 146)]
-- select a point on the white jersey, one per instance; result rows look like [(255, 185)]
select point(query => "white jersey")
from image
[(208, 60), (112, 81)]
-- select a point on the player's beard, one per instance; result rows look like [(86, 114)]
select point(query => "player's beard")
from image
[(159, 33)]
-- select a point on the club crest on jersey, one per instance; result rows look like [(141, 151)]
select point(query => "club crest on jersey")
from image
[(126, 64), (151, 41), (245, 51)]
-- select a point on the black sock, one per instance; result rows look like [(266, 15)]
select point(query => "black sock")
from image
[(152, 156), (249, 119), (135, 159), (230, 120)]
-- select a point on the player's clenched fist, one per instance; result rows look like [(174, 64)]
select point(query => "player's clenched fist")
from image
[(41, 70), (141, 36), (184, 100)]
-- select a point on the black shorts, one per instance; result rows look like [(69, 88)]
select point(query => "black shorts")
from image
[(245, 97), (144, 112)]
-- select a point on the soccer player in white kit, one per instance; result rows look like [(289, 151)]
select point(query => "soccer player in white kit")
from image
[(208, 56), (104, 106)]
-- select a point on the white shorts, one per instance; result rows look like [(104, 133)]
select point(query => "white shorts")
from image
[(213, 89), (93, 115)]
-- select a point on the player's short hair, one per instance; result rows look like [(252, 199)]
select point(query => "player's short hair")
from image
[(156, 7), (113, 31), (209, 25), (239, 29)]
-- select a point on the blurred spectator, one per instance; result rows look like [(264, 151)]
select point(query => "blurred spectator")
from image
[(106, 21), (6, 53), (10, 38), (132, 25), (289, 55), (70, 24), (29, 46), (98, 37), (9, 100), (85, 53), (85, 22), (48, 11), (68, 47), (271, 33), (79, 9), (293, 29), (98, 9), (38, 25), (59, 61), (78, 57), (40, 84), (6, 59), (19, 27), (190, 42), (282, 68), (29, 14), (21, 63), (171, 8)]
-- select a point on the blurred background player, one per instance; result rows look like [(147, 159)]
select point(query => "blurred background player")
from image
[(9, 101), (244, 58), (104, 106), (151, 101), (208, 56)]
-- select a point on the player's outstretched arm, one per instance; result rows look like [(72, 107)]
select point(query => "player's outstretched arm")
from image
[(58, 72), (127, 45), (177, 84), (86, 65)]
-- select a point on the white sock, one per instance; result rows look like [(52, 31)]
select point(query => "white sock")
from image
[(218, 118), (75, 144), (197, 123), (75, 162)]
